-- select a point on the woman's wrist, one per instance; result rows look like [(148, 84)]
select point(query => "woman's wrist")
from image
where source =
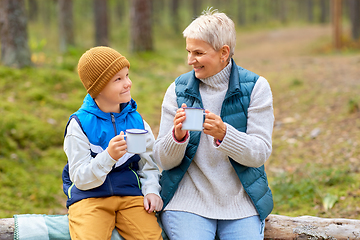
[(182, 139)]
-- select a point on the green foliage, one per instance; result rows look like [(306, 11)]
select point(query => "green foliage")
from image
[(311, 188), (354, 105), (34, 105)]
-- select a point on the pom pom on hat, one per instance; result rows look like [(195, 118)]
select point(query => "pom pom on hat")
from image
[(97, 66)]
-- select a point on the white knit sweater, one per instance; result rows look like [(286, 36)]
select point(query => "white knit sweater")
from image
[(210, 187)]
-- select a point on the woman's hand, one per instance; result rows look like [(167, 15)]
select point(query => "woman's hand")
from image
[(214, 126), (117, 146), (152, 202), (178, 120)]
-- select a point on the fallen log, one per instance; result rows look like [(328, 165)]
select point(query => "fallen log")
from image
[(7, 227), (277, 227), (307, 227)]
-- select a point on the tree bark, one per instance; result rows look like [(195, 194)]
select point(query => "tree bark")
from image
[(141, 26), (101, 23), (283, 11), (324, 13), (15, 50), (174, 8), (355, 18), (196, 5), (307, 227), (7, 227), (66, 30), (33, 10), (310, 9), (242, 10), (337, 22)]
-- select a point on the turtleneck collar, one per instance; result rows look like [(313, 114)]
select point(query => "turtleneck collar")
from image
[(219, 79)]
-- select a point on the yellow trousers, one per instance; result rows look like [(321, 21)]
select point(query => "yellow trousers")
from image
[(96, 218)]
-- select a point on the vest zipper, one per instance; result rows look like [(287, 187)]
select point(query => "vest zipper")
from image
[(115, 132), (113, 122)]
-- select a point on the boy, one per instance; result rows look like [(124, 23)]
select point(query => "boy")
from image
[(106, 186)]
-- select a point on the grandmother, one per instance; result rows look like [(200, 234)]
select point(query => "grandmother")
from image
[(213, 181)]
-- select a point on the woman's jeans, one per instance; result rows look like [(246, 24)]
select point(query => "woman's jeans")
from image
[(183, 225)]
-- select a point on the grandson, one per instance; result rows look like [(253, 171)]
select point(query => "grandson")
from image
[(104, 184)]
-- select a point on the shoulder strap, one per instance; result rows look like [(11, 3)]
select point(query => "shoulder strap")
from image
[(77, 120)]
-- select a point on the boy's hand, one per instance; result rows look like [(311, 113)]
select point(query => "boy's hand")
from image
[(178, 120), (117, 146), (152, 202)]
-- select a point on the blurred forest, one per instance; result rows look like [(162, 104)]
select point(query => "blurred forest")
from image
[(136, 19), (309, 50)]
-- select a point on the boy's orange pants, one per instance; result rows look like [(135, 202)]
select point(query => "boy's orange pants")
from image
[(96, 218)]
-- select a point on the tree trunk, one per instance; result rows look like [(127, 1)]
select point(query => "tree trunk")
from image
[(310, 9), (33, 10), (120, 12), (174, 8), (66, 31), (196, 5), (101, 23), (283, 11), (337, 23), (255, 15), (242, 10), (355, 19), (15, 50), (141, 26), (324, 12)]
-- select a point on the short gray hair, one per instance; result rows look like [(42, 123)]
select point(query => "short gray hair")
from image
[(215, 28)]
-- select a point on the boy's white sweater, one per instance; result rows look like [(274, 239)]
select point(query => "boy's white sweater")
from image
[(210, 187)]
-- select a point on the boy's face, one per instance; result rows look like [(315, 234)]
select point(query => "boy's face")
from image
[(117, 90)]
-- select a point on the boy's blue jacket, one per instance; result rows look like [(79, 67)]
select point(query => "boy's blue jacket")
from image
[(100, 128)]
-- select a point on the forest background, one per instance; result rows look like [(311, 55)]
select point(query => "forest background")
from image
[(315, 165)]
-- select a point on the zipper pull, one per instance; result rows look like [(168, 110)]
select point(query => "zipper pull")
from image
[(113, 123)]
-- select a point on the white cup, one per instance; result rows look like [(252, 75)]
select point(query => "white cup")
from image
[(194, 119), (136, 140)]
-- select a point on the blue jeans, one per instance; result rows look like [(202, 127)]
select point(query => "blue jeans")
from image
[(183, 225)]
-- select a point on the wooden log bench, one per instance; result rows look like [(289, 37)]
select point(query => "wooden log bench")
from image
[(277, 227)]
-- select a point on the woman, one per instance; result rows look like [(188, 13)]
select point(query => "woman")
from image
[(214, 181)]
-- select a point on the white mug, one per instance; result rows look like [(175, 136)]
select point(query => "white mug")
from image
[(136, 140), (194, 119)]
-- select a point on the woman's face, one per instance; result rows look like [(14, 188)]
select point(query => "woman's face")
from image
[(204, 59)]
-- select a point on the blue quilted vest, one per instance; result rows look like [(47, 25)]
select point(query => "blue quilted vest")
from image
[(100, 128), (233, 112)]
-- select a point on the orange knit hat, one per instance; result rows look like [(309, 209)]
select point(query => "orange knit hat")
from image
[(97, 66)]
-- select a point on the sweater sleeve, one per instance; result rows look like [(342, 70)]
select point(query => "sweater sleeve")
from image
[(85, 171), (254, 147), (168, 152), (148, 171)]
